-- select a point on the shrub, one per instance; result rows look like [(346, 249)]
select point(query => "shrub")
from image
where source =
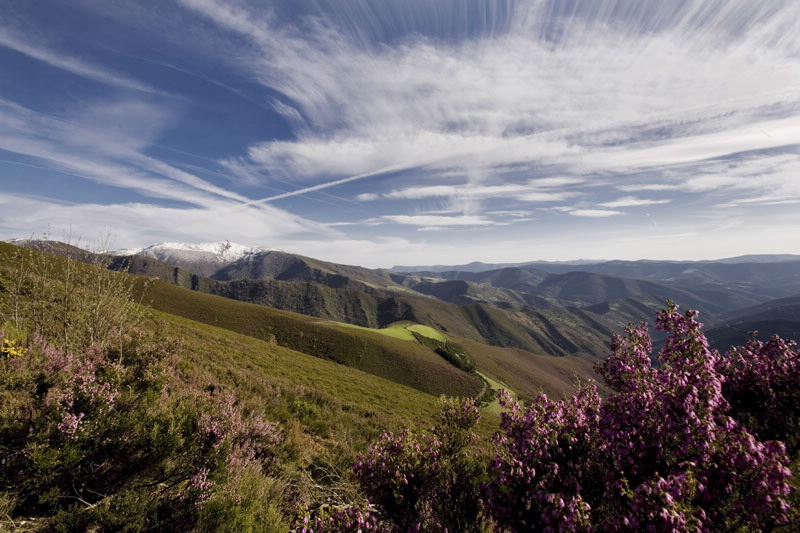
[(108, 439), (415, 482), (660, 453), (762, 385)]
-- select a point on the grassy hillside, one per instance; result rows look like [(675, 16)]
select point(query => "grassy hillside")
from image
[(263, 373), (528, 374), (196, 412), (466, 292), (734, 333), (406, 363), (557, 331), (371, 349), (780, 309), (142, 469), (483, 313), (372, 308), (403, 359)]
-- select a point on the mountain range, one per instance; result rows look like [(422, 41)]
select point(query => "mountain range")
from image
[(517, 314)]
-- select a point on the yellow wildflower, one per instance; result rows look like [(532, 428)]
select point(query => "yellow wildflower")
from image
[(10, 349)]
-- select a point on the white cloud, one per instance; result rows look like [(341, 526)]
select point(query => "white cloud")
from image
[(594, 213), (367, 197), (311, 157), (434, 228), (13, 40), (677, 238), (539, 197), (438, 221), (427, 191), (557, 181), (610, 98), (632, 201), (641, 187), (691, 149), (524, 192), (538, 107), (513, 214), (104, 143), (139, 224)]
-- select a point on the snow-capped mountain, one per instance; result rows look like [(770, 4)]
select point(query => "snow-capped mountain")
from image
[(224, 252), (205, 258)]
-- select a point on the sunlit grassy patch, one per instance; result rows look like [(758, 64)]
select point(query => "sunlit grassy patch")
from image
[(427, 331), (398, 332), (494, 406)]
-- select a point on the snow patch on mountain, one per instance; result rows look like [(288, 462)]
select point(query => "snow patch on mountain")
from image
[(220, 252)]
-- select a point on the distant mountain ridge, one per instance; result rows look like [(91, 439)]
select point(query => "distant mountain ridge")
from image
[(553, 308), (477, 266)]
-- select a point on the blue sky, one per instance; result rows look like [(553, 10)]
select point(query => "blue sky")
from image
[(406, 131)]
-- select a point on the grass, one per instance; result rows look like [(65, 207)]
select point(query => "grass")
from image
[(391, 358), (348, 400), (427, 331), (246, 348), (386, 352), (494, 407), (402, 331), (529, 374), (397, 332), (262, 372)]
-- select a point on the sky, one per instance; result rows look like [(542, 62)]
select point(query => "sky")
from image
[(411, 132)]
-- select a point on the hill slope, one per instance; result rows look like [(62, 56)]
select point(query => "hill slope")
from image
[(514, 307)]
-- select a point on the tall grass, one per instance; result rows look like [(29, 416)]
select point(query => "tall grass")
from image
[(73, 300)]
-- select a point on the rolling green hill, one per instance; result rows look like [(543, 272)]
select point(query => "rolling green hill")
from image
[(420, 359), (486, 314), (730, 334), (407, 363)]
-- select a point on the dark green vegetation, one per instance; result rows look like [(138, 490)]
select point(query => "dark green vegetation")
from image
[(544, 308)]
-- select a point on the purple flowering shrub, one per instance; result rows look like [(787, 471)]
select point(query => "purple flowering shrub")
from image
[(545, 464), (697, 442), (110, 438), (661, 453), (762, 386), (342, 520), (426, 481)]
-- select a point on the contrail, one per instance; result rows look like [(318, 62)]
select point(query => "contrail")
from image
[(321, 186)]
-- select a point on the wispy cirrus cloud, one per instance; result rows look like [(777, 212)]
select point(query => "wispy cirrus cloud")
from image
[(52, 56), (639, 187), (593, 213), (633, 201), (140, 224), (80, 146), (526, 192), (493, 101), (496, 120), (438, 221)]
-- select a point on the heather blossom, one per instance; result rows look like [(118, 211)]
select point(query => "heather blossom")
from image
[(695, 442), (661, 453)]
